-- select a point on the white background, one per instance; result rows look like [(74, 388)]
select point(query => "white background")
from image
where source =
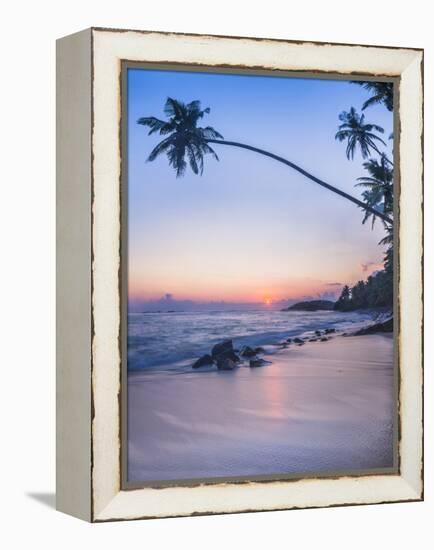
[(27, 382)]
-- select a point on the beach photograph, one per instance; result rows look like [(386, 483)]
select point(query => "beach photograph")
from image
[(260, 276)]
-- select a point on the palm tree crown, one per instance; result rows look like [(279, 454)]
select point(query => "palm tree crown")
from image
[(184, 137), (354, 129), (378, 188), (382, 92)]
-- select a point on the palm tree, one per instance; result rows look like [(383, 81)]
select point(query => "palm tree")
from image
[(382, 93), (354, 129), (379, 195), (379, 188), (186, 139)]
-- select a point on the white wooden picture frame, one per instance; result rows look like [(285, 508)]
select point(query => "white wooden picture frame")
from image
[(89, 164)]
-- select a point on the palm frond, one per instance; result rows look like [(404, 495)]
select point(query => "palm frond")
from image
[(162, 147), (176, 156), (155, 125), (192, 157), (176, 109), (373, 100), (209, 150), (210, 133), (370, 127), (382, 92), (195, 112)]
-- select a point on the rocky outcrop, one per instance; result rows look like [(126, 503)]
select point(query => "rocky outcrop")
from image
[(312, 305), (247, 351), (224, 356), (385, 326), (203, 361), (224, 350), (257, 363), (224, 363)]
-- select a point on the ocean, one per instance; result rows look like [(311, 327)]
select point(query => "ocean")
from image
[(173, 341)]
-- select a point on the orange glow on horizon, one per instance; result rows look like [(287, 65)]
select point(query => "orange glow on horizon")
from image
[(237, 287), (298, 290)]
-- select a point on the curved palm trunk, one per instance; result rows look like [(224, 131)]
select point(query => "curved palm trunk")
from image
[(305, 173)]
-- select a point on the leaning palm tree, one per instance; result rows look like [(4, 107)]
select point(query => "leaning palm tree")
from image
[(359, 134), (382, 92), (185, 139)]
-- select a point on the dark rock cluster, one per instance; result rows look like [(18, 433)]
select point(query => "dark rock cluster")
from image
[(225, 357)]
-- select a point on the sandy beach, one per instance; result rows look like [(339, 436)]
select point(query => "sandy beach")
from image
[(319, 408)]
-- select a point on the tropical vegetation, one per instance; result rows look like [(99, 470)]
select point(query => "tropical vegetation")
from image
[(377, 290)]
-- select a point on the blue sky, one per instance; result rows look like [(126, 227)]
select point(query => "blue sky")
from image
[(250, 229)]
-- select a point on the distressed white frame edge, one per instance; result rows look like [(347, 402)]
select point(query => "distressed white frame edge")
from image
[(73, 274), (109, 48)]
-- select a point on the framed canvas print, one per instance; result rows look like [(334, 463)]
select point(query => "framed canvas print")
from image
[(239, 267)]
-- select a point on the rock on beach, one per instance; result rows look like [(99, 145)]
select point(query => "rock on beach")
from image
[(203, 361)]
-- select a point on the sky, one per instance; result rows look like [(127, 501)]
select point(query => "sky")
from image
[(250, 229)]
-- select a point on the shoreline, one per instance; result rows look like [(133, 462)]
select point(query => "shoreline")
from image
[(298, 329), (225, 357), (316, 408)]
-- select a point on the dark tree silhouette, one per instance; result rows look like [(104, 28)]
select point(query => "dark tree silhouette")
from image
[(379, 188), (185, 139), (357, 133), (382, 92), (377, 291)]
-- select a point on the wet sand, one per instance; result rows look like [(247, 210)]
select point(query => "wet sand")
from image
[(321, 408)]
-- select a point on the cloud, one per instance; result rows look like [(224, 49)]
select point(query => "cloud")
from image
[(333, 284), (371, 267)]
